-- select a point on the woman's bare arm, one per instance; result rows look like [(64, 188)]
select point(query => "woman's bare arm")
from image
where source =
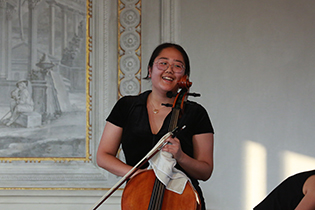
[(108, 148), (308, 201)]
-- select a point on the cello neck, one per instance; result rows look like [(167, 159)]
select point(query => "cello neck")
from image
[(174, 119), (159, 188)]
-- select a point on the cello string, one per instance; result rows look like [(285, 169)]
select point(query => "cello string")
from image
[(157, 195), (160, 192), (152, 205), (159, 187), (174, 116)]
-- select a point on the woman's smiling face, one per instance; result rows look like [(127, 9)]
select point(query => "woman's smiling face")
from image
[(166, 80)]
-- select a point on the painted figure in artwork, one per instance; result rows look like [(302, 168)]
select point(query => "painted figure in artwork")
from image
[(21, 102)]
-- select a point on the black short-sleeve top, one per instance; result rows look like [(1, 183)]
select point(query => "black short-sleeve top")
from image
[(287, 195), (130, 113)]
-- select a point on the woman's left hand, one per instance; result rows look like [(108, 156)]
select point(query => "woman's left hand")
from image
[(174, 148), (199, 166)]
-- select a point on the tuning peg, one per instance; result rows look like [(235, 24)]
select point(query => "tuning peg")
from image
[(167, 105), (194, 94)]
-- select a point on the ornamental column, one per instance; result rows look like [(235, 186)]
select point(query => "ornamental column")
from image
[(3, 5), (64, 28), (52, 29), (75, 22), (9, 15), (32, 34)]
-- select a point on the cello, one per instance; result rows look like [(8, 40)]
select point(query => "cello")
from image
[(145, 190)]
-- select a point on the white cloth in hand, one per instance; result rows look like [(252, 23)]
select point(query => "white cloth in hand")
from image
[(163, 165)]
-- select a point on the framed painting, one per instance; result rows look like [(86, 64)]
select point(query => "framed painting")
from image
[(45, 100)]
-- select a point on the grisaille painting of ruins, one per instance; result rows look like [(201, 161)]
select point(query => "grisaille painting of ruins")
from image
[(43, 79)]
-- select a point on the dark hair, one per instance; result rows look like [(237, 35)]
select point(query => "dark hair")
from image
[(163, 46)]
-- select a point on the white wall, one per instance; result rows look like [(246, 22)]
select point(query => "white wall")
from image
[(253, 62)]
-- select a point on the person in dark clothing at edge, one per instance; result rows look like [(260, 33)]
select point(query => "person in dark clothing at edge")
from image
[(295, 193), (138, 122)]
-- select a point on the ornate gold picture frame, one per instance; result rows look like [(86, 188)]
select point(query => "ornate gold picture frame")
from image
[(47, 76), (46, 144)]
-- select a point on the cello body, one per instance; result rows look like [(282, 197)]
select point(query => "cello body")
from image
[(138, 191)]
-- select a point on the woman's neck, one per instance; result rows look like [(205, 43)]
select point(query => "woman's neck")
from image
[(157, 99)]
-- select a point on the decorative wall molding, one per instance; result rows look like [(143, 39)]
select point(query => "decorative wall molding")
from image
[(129, 47), (170, 23), (106, 78)]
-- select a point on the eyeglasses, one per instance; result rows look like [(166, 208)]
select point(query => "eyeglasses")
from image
[(163, 64)]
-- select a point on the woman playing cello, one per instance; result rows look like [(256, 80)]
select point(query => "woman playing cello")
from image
[(138, 122)]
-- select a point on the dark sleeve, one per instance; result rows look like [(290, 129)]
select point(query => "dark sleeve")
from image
[(202, 121), (119, 113)]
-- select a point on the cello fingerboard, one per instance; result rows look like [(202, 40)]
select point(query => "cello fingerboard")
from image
[(174, 119), (157, 195)]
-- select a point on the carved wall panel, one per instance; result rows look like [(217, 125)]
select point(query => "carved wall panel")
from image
[(129, 47)]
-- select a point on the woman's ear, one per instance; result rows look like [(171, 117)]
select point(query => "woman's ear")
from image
[(150, 72)]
